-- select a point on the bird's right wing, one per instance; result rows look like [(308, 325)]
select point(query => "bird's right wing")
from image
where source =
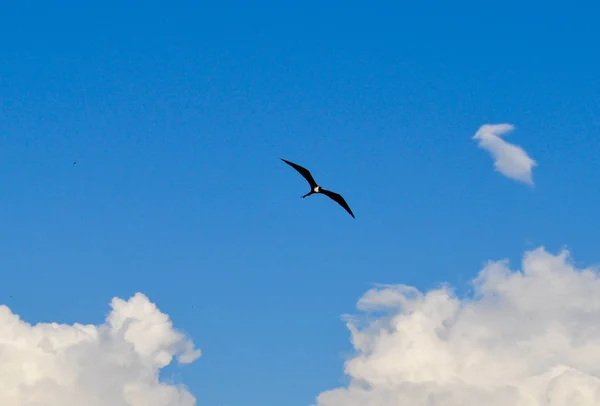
[(338, 199), (304, 172)]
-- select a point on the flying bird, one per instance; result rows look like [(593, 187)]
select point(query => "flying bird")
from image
[(314, 188)]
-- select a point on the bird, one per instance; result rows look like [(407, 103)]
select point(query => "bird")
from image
[(315, 188)]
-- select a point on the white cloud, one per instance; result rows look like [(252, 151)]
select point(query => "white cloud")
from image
[(526, 338), (510, 160), (114, 364)]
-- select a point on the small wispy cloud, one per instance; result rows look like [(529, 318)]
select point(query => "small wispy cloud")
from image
[(510, 160)]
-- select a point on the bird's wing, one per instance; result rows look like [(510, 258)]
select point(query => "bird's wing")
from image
[(339, 199), (304, 172)]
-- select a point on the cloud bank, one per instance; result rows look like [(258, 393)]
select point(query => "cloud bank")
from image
[(525, 338), (510, 160), (114, 364)]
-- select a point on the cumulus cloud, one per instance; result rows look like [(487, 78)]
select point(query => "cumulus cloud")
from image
[(510, 160), (113, 364), (525, 338)]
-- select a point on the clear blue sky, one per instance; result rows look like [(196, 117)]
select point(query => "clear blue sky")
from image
[(178, 117)]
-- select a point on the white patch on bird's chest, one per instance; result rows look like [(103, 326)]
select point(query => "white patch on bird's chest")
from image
[(317, 189)]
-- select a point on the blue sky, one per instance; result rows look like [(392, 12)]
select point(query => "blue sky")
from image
[(177, 117)]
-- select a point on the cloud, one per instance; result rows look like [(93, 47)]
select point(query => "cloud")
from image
[(510, 160), (113, 364), (525, 338)]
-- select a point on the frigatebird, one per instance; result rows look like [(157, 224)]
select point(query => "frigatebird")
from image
[(314, 188)]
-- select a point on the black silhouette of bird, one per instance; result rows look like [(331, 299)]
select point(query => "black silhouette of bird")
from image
[(314, 188)]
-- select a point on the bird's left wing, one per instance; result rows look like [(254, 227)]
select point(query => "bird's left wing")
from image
[(339, 199), (303, 171)]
